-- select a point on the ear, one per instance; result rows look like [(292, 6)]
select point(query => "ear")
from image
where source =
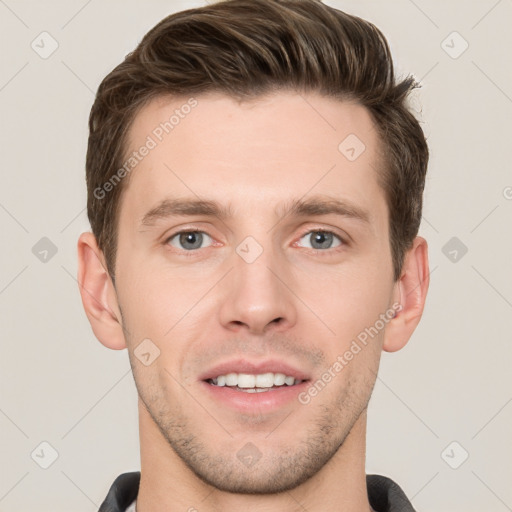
[(99, 296), (410, 292)]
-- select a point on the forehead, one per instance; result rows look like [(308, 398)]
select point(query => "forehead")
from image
[(258, 153)]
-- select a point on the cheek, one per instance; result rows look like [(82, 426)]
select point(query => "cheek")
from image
[(167, 311), (349, 300), (155, 387), (152, 300)]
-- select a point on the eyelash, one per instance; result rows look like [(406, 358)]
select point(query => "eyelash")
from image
[(326, 252)]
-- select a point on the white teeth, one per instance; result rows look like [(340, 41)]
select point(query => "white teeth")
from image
[(260, 382), (231, 379), (279, 379), (289, 381), (256, 390), (246, 381), (265, 380)]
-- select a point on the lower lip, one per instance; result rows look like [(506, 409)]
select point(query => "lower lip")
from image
[(266, 401)]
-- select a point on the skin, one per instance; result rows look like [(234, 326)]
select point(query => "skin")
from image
[(293, 303)]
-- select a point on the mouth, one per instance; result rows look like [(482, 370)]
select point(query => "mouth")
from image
[(254, 383), (254, 387)]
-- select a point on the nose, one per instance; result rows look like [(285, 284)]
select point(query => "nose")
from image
[(257, 296)]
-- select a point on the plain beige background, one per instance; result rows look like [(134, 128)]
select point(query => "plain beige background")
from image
[(445, 397)]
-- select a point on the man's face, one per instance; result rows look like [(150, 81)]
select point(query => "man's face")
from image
[(258, 290)]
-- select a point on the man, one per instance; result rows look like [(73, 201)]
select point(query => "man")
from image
[(255, 188)]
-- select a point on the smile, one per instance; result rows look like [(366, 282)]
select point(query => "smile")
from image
[(250, 383)]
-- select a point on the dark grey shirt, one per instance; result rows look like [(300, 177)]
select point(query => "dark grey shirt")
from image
[(384, 495)]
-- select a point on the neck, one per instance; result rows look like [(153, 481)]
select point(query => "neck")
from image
[(167, 483)]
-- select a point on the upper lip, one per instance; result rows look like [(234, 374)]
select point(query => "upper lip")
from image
[(253, 368)]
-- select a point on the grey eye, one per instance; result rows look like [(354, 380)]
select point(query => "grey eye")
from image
[(189, 240), (321, 239)]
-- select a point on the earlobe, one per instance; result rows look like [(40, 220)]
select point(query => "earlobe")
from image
[(411, 289), (98, 294)]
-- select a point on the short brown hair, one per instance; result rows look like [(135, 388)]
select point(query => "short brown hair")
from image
[(246, 48)]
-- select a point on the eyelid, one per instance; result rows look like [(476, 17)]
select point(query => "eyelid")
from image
[(344, 238), (322, 252), (174, 234), (171, 233)]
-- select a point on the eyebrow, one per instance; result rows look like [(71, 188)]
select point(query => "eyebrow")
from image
[(314, 206)]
